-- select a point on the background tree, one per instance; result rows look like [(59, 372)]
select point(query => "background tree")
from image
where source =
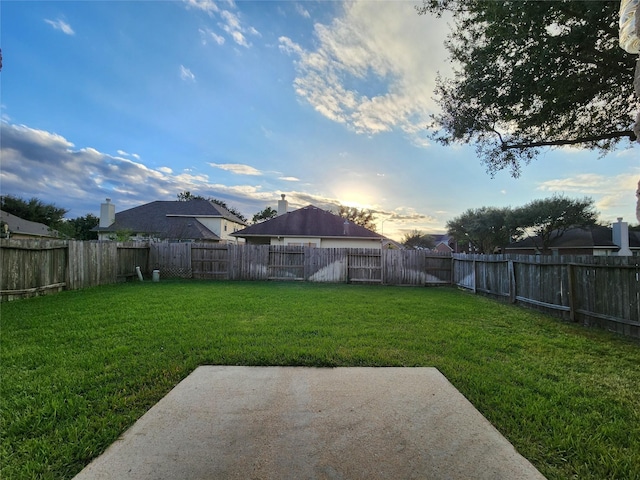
[(81, 227), (547, 219), (484, 229), (533, 73), (34, 210), (266, 214), (364, 218), (187, 196), (417, 239)]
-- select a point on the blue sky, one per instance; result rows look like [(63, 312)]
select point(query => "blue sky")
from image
[(325, 102)]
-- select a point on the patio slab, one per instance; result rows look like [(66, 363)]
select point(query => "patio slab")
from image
[(311, 423)]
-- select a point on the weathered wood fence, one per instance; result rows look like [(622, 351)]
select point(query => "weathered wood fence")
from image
[(596, 291), (266, 262), (35, 267)]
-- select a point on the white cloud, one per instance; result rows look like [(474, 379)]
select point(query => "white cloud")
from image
[(208, 6), (208, 34), (289, 47), (230, 22), (302, 11), (233, 26), (389, 47), (61, 25), (186, 74), (237, 168), (40, 164), (614, 196), (127, 154)]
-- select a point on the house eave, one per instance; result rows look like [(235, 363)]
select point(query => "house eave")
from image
[(193, 216), (294, 235)]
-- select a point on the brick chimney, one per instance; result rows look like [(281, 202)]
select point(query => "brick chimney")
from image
[(107, 213), (283, 205), (621, 237)]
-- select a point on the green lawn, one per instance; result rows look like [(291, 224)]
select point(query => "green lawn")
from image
[(79, 367)]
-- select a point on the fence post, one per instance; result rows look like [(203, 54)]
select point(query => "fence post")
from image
[(572, 285), (475, 274), (512, 281)]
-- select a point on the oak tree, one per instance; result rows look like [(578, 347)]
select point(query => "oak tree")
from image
[(529, 74)]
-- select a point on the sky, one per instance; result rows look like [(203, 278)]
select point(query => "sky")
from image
[(326, 102)]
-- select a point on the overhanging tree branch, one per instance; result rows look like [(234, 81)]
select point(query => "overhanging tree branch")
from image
[(594, 138), (549, 73)]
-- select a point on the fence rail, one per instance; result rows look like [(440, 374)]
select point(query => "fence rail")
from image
[(596, 291)]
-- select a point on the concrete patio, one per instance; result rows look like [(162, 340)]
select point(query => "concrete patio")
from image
[(312, 423)]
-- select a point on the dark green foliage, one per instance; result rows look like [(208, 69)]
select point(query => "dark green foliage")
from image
[(417, 239), (549, 218), (530, 73), (483, 229), (364, 218), (34, 210), (80, 228), (266, 214), (486, 229)]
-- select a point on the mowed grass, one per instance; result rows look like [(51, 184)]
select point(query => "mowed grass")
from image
[(80, 367)]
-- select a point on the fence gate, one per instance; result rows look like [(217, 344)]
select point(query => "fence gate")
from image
[(285, 263), (364, 265), (210, 262)]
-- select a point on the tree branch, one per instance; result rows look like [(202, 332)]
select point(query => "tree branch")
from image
[(594, 138)]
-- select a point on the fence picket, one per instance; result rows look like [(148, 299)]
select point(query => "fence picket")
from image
[(596, 291)]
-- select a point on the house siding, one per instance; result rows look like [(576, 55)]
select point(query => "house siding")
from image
[(351, 243)]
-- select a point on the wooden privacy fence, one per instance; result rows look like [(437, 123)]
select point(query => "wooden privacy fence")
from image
[(34, 267), (594, 290), (267, 262)]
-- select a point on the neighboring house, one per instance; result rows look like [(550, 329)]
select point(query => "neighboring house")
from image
[(174, 221), (310, 226), (444, 243), (595, 240), (18, 228)]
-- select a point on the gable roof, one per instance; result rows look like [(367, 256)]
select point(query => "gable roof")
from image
[(171, 219), (20, 226), (597, 237), (309, 221)]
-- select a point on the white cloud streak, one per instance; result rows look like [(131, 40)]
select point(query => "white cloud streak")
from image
[(612, 195), (186, 74), (230, 23), (208, 6), (302, 11), (61, 25), (207, 35), (386, 42), (237, 168)]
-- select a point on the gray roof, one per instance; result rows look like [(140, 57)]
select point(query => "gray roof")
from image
[(309, 221), (18, 225), (171, 219), (580, 237)]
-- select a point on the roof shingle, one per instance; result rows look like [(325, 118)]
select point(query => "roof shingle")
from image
[(171, 219), (309, 221)]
